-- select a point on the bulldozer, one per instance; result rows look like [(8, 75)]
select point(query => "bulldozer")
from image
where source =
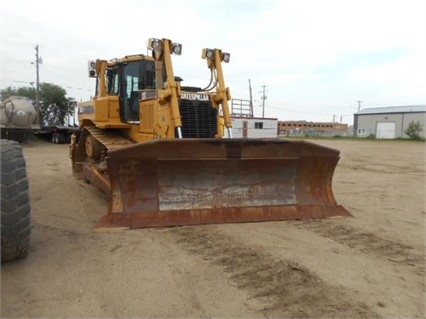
[(164, 154)]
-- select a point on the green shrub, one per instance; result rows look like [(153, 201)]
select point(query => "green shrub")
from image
[(413, 130)]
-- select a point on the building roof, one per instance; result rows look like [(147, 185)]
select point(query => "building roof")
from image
[(306, 122), (393, 109)]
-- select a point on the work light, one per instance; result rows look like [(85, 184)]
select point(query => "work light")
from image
[(154, 44), (207, 54), (92, 69), (226, 57), (177, 48)]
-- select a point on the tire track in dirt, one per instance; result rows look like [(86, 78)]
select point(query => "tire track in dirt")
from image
[(367, 166), (48, 234), (276, 287), (367, 243)]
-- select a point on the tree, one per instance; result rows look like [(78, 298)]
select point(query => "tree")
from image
[(54, 105), (28, 92), (413, 130)]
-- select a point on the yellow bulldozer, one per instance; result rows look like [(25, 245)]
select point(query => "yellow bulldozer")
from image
[(158, 150)]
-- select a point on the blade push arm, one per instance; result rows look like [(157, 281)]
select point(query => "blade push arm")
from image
[(163, 50), (222, 95)]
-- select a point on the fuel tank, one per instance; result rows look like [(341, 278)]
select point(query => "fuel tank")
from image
[(17, 112)]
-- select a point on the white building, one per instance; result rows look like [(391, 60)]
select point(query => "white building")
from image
[(254, 127)]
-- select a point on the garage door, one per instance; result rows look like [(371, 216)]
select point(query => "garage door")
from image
[(385, 130)]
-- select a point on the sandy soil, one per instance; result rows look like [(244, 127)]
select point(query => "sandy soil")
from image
[(368, 266)]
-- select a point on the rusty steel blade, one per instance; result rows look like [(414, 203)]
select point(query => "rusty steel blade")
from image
[(192, 181)]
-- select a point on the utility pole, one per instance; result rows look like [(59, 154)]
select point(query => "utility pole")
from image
[(263, 98), (38, 61), (251, 100), (359, 105)]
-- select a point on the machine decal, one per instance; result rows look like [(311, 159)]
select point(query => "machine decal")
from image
[(195, 96)]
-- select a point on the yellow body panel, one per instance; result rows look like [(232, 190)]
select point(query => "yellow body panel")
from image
[(113, 107), (102, 112)]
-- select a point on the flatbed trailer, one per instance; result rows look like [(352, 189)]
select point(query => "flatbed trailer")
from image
[(57, 134)]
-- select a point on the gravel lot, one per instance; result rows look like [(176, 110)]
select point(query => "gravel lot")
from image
[(371, 265)]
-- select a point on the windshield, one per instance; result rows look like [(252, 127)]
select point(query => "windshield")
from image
[(135, 76)]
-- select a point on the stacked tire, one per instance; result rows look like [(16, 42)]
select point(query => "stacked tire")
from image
[(15, 202)]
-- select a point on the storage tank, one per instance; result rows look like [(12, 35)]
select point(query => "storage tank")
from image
[(17, 111), (18, 119)]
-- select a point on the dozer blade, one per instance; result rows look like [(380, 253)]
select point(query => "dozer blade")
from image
[(193, 181)]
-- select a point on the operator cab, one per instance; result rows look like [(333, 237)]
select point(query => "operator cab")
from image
[(126, 80)]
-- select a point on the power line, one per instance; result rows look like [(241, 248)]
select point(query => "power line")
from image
[(67, 51), (79, 89), (297, 111), (16, 71), (28, 82), (48, 47), (68, 80), (18, 42)]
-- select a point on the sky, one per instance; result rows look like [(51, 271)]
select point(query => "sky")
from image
[(314, 60)]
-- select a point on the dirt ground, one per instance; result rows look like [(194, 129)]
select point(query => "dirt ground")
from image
[(371, 265)]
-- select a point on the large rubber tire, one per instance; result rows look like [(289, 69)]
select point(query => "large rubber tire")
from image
[(15, 203)]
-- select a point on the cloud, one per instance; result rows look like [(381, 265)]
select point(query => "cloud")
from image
[(318, 57)]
